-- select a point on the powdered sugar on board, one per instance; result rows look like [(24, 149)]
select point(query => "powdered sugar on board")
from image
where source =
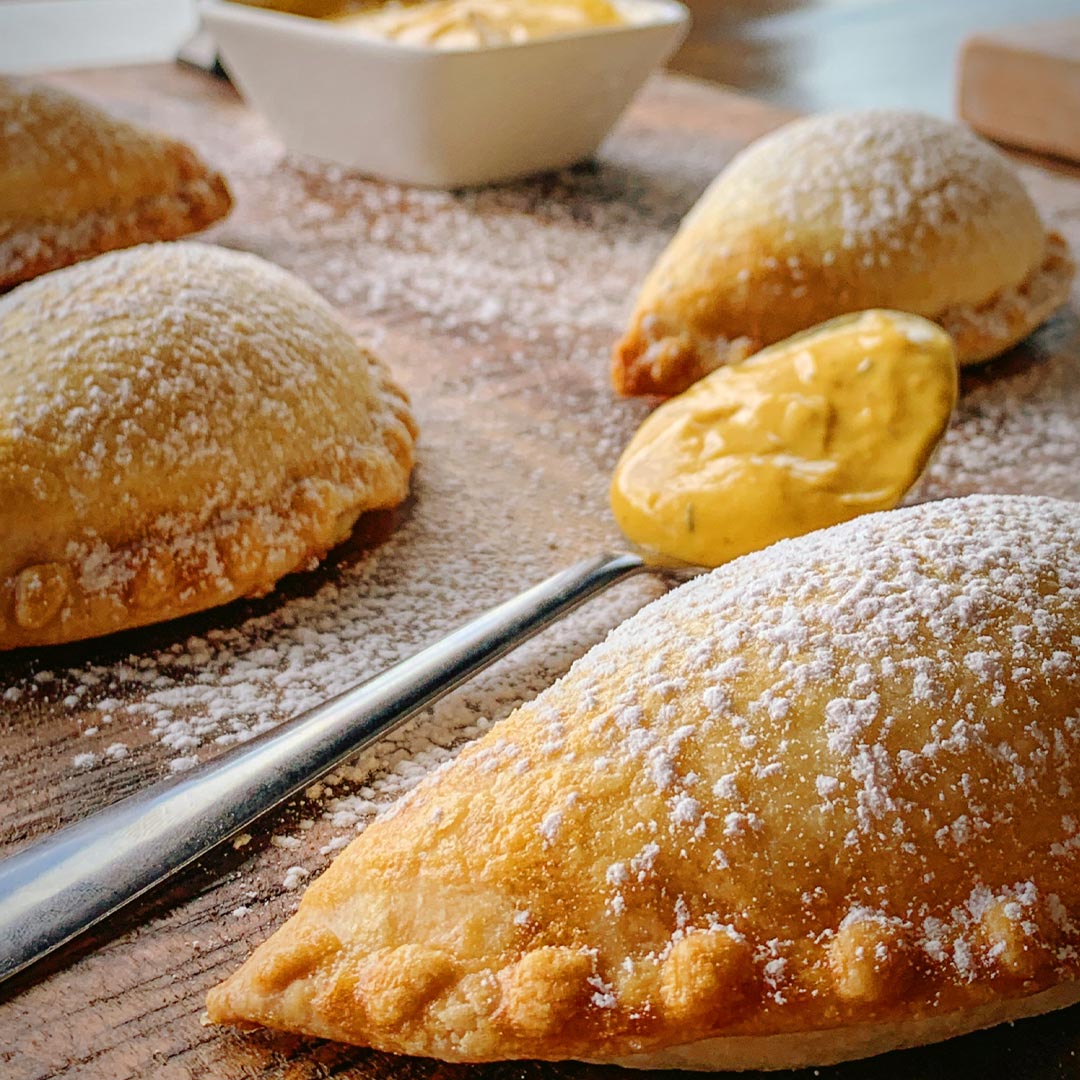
[(1017, 425), (496, 310)]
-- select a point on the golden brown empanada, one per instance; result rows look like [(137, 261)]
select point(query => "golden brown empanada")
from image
[(818, 804), (180, 425), (75, 182), (837, 213)]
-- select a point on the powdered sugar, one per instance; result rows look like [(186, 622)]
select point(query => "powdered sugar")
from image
[(295, 876), (870, 171), (1017, 424)]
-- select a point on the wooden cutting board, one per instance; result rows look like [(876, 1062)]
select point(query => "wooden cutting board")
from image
[(1021, 86), (496, 309)]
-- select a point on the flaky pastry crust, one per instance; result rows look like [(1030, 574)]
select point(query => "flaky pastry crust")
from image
[(75, 182), (818, 803), (180, 425), (840, 213)]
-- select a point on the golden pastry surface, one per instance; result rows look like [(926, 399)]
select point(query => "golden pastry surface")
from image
[(75, 182), (822, 794), (180, 425), (838, 213), (832, 423)]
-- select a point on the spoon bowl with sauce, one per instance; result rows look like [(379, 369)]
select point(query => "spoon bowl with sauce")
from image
[(834, 422)]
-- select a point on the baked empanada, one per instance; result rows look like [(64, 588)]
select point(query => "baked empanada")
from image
[(818, 804), (75, 182), (837, 213), (180, 425)]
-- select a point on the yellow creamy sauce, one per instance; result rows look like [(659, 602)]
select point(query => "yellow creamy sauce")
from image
[(814, 430), (473, 24)]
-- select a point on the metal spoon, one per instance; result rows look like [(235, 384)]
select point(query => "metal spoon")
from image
[(59, 886)]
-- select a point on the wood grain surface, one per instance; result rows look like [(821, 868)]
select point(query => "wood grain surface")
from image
[(1005, 80), (519, 433)]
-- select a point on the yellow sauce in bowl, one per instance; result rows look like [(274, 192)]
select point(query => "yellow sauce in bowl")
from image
[(829, 424), (477, 24)]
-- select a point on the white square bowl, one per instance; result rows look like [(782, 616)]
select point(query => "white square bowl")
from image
[(438, 117)]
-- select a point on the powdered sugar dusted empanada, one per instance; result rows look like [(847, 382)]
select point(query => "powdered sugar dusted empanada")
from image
[(837, 213), (76, 182), (180, 425), (817, 804)]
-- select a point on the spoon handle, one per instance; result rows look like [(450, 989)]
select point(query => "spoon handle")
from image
[(61, 885)]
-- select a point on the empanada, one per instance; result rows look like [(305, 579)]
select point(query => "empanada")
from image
[(75, 182), (180, 425), (837, 213), (818, 804)]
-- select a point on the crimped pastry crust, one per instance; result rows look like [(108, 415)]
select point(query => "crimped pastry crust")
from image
[(840, 213), (828, 787), (181, 425), (833, 1045), (982, 332), (75, 182)]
